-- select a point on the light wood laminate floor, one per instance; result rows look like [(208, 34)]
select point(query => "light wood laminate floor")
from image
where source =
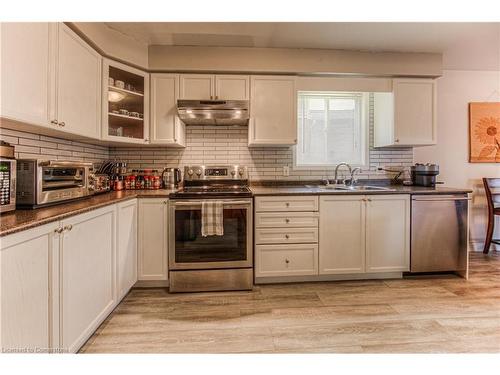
[(414, 315)]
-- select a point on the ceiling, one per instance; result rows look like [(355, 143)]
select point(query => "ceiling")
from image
[(476, 45)]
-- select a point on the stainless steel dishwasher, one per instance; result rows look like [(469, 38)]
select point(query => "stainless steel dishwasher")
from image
[(439, 233)]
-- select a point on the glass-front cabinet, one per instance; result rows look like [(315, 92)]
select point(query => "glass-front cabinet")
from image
[(125, 103)]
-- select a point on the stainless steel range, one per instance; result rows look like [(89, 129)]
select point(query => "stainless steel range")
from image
[(211, 263)]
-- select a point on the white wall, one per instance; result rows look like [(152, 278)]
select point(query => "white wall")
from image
[(456, 88)]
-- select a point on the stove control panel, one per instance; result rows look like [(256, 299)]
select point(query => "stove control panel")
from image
[(224, 172)]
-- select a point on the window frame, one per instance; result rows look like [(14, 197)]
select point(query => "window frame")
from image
[(365, 135)]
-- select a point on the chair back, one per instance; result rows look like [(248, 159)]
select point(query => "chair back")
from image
[(492, 188)]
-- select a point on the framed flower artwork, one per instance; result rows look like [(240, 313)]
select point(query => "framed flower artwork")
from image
[(484, 132)]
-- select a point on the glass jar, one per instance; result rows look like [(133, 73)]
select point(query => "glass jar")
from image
[(156, 182), (132, 182), (127, 183)]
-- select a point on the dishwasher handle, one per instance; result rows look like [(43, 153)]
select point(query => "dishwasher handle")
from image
[(436, 198)]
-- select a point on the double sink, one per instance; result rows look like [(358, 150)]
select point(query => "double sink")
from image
[(351, 188)]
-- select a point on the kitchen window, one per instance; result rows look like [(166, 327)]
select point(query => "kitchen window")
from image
[(332, 128)]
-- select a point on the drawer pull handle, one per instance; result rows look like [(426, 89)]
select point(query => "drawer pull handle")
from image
[(68, 227), (287, 261), (287, 220), (58, 230), (287, 204), (287, 236)]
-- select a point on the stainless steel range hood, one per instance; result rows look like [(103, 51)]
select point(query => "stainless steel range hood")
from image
[(213, 112)]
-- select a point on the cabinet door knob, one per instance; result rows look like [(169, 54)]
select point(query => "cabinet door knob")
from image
[(58, 230), (287, 261), (287, 236), (146, 140), (287, 220), (396, 140), (62, 123), (369, 199), (287, 204), (164, 202), (68, 227), (54, 122)]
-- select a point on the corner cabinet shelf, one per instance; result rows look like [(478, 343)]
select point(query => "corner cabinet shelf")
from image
[(134, 97)]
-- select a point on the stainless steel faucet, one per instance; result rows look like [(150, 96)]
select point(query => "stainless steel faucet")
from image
[(337, 170), (353, 180)]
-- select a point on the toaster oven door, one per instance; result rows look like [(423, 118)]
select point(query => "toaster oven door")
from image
[(59, 181)]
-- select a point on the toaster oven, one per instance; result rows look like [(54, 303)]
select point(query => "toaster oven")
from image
[(44, 182)]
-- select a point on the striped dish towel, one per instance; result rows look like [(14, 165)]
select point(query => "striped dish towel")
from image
[(212, 218)]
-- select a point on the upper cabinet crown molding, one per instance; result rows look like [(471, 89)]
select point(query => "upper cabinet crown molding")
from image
[(406, 116)]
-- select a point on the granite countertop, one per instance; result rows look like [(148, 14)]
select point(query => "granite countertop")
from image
[(19, 220), (307, 189)]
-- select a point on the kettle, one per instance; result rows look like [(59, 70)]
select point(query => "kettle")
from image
[(171, 177)]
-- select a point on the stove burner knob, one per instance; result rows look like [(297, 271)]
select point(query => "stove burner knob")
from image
[(240, 172), (190, 172), (233, 173), (198, 173)]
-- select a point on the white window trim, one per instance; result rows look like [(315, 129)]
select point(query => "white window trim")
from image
[(365, 141)]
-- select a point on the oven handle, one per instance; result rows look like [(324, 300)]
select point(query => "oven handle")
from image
[(198, 203)]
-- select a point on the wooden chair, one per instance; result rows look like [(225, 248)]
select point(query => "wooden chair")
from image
[(492, 188)]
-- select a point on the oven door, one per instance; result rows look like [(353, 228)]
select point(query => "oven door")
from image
[(188, 249)]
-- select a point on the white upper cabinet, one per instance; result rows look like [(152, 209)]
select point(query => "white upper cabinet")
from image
[(27, 72), (166, 127), (214, 87), (125, 103), (388, 233), (78, 85), (232, 87), (407, 116), (273, 111), (197, 86)]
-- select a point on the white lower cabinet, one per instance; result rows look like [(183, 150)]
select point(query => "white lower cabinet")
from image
[(286, 260), (59, 281), (26, 301), (87, 275), (388, 233), (126, 246), (153, 259), (364, 234), (286, 236), (342, 234)]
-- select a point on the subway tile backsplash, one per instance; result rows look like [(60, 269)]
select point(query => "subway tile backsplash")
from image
[(204, 145), (229, 145), (35, 146)]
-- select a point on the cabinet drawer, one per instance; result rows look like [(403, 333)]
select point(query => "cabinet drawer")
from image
[(286, 260), (284, 235), (286, 203), (286, 220)]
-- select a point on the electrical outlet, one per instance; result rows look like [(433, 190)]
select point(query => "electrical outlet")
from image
[(286, 171)]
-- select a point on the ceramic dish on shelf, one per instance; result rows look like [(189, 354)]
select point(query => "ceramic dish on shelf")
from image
[(120, 84), (124, 112), (134, 114), (111, 81)]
